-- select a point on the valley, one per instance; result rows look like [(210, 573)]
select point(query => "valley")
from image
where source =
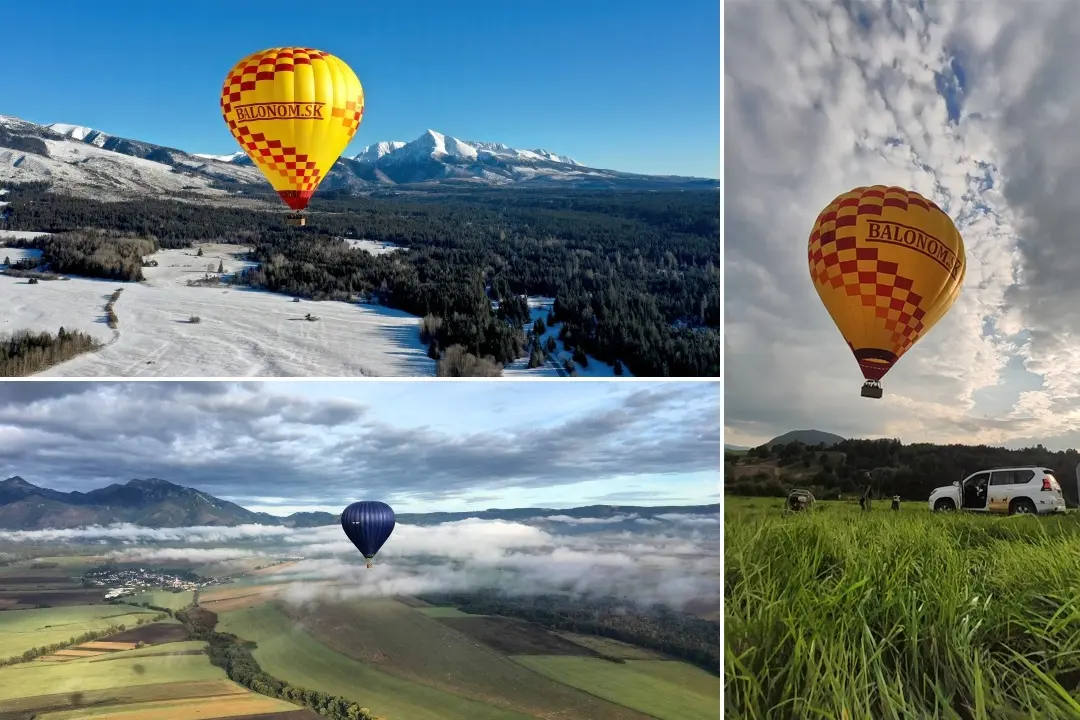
[(391, 658)]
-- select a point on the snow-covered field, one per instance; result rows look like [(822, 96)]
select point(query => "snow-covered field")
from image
[(241, 332), (373, 246), (539, 308)]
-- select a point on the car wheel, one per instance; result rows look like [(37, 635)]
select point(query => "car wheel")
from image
[(1022, 506), (944, 505)]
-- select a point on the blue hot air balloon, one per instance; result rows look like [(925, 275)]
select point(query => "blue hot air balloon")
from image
[(368, 524)]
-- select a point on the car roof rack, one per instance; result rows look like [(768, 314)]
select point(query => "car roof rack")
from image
[(1015, 467)]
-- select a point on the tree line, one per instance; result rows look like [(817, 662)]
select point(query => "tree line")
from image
[(25, 352), (93, 253), (679, 635), (910, 471), (636, 275), (233, 655)]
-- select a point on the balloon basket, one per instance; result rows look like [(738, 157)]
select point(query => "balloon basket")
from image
[(295, 220), (369, 563), (871, 389)]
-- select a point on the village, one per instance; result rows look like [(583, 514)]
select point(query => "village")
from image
[(126, 581)]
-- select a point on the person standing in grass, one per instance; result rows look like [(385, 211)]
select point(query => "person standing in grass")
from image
[(864, 501), (895, 502)]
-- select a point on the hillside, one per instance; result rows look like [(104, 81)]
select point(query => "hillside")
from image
[(810, 438), (910, 471), (90, 163), (158, 503)]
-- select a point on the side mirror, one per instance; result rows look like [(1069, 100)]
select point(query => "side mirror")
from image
[(956, 483)]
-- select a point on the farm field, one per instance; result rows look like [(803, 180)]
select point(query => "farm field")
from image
[(409, 644), (80, 674), (291, 654), (162, 598), (909, 614), (214, 706), (665, 689), (21, 630), (90, 700)]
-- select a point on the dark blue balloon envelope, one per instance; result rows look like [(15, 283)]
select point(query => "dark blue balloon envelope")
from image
[(368, 525)]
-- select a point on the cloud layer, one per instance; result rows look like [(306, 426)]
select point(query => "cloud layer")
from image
[(671, 561), (256, 445), (970, 103)]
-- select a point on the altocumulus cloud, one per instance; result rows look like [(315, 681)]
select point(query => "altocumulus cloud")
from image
[(972, 103), (247, 441)]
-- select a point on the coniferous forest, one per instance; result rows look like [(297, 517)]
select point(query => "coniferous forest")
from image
[(635, 275)]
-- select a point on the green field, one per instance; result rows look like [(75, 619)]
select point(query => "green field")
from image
[(184, 646), (290, 654), (837, 613), (401, 641), (39, 678), (665, 689), (162, 598), (441, 611), (21, 630)]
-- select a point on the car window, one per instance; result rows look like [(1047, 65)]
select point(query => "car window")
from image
[(1002, 477), (977, 478), (1021, 477)]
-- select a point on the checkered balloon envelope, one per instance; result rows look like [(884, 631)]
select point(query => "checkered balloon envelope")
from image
[(294, 111), (887, 264)]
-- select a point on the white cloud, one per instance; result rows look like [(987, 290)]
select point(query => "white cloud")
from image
[(642, 566), (821, 97)]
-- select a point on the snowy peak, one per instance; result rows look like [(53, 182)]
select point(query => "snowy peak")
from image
[(81, 133), (434, 145), (373, 153), (238, 155)]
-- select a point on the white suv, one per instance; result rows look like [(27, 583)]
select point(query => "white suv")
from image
[(1007, 490)]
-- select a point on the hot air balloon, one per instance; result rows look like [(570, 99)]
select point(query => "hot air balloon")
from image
[(368, 524), (293, 110), (887, 264)]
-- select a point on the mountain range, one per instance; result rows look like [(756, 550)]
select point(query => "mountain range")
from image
[(159, 503), (84, 161)]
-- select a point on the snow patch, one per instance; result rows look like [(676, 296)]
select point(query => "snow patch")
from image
[(242, 332)]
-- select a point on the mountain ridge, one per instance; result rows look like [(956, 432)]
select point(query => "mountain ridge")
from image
[(157, 503), (83, 160)]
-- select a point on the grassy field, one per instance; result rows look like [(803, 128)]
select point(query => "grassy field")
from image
[(664, 689), (837, 613), (289, 653), (82, 674), (162, 598), (441, 611), (21, 630), (409, 644), (220, 706)]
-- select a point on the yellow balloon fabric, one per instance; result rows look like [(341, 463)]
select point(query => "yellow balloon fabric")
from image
[(887, 264), (294, 111)]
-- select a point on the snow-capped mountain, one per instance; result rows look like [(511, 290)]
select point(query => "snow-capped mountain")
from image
[(84, 160)]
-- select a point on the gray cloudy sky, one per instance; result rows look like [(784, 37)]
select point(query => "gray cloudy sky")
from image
[(282, 447), (974, 104)]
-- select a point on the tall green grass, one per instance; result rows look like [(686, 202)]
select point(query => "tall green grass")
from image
[(840, 614)]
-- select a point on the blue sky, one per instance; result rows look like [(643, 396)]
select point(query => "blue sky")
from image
[(281, 447), (632, 85)]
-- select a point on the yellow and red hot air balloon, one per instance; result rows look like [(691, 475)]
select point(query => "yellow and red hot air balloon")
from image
[(887, 264), (293, 110)]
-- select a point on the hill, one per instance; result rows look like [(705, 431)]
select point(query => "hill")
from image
[(910, 471), (810, 438), (157, 503), (90, 163)]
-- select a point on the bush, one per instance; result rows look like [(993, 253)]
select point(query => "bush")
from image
[(456, 362)]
